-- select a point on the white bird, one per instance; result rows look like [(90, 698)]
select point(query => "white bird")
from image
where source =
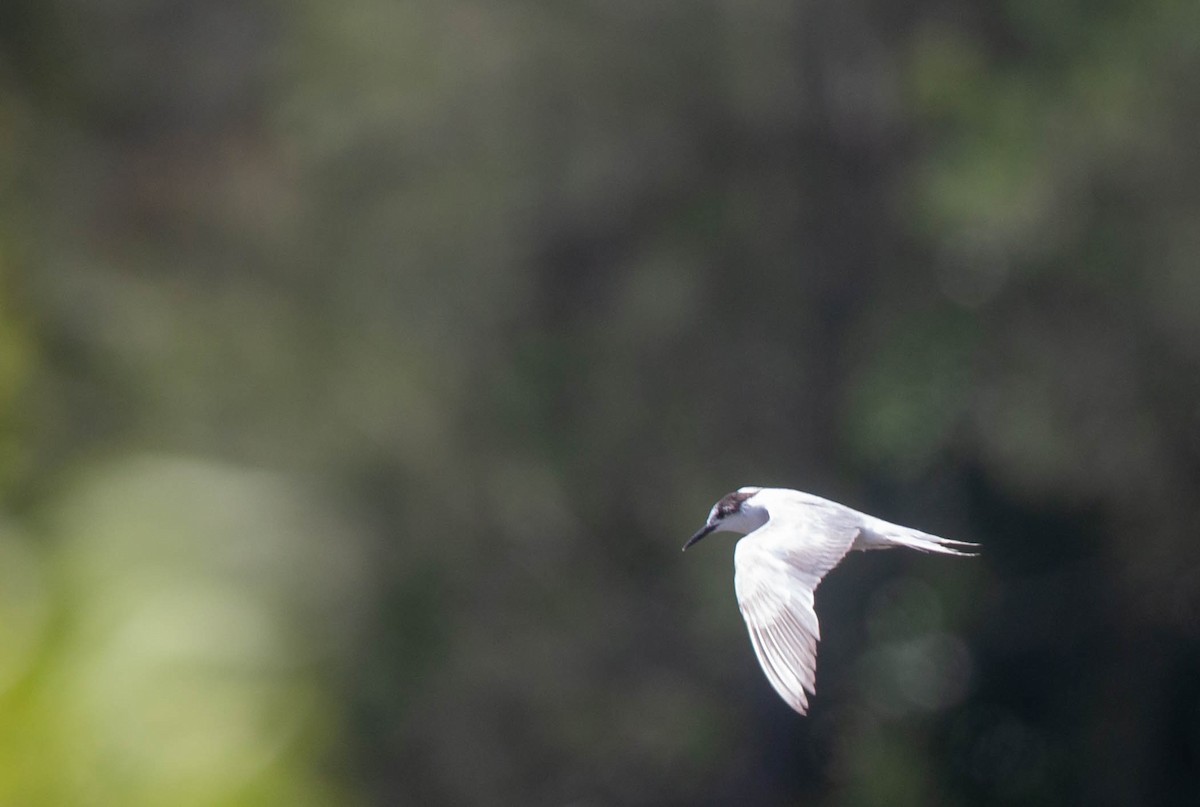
[(792, 540)]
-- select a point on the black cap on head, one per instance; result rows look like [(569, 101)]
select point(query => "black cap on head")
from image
[(730, 503)]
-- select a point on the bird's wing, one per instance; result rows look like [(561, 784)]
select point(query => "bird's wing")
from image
[(777, 569)]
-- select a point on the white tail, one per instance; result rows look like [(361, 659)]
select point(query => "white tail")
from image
[(879, 534)]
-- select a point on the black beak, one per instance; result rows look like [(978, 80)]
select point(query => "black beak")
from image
[(703, 532)]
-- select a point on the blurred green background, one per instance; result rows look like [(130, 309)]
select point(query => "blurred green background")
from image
[(364, 366)]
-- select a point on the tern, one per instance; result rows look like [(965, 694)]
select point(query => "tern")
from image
[(792, 540)]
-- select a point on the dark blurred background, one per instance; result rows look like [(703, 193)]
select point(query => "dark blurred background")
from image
[(364, 366)]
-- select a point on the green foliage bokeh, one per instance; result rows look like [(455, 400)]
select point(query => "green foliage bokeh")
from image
[(364, 365)]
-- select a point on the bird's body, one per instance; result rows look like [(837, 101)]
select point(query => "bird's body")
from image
[(792, 540)]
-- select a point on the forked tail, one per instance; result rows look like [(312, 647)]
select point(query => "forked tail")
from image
[(882, 535)]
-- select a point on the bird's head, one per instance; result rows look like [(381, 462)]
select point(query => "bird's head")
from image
[(735, 512)]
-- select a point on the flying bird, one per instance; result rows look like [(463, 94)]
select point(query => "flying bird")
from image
[(792, 540)]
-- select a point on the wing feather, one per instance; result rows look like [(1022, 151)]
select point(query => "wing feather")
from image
[(777, 569)]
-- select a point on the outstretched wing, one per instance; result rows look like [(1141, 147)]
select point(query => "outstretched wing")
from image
[(776, 570)]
